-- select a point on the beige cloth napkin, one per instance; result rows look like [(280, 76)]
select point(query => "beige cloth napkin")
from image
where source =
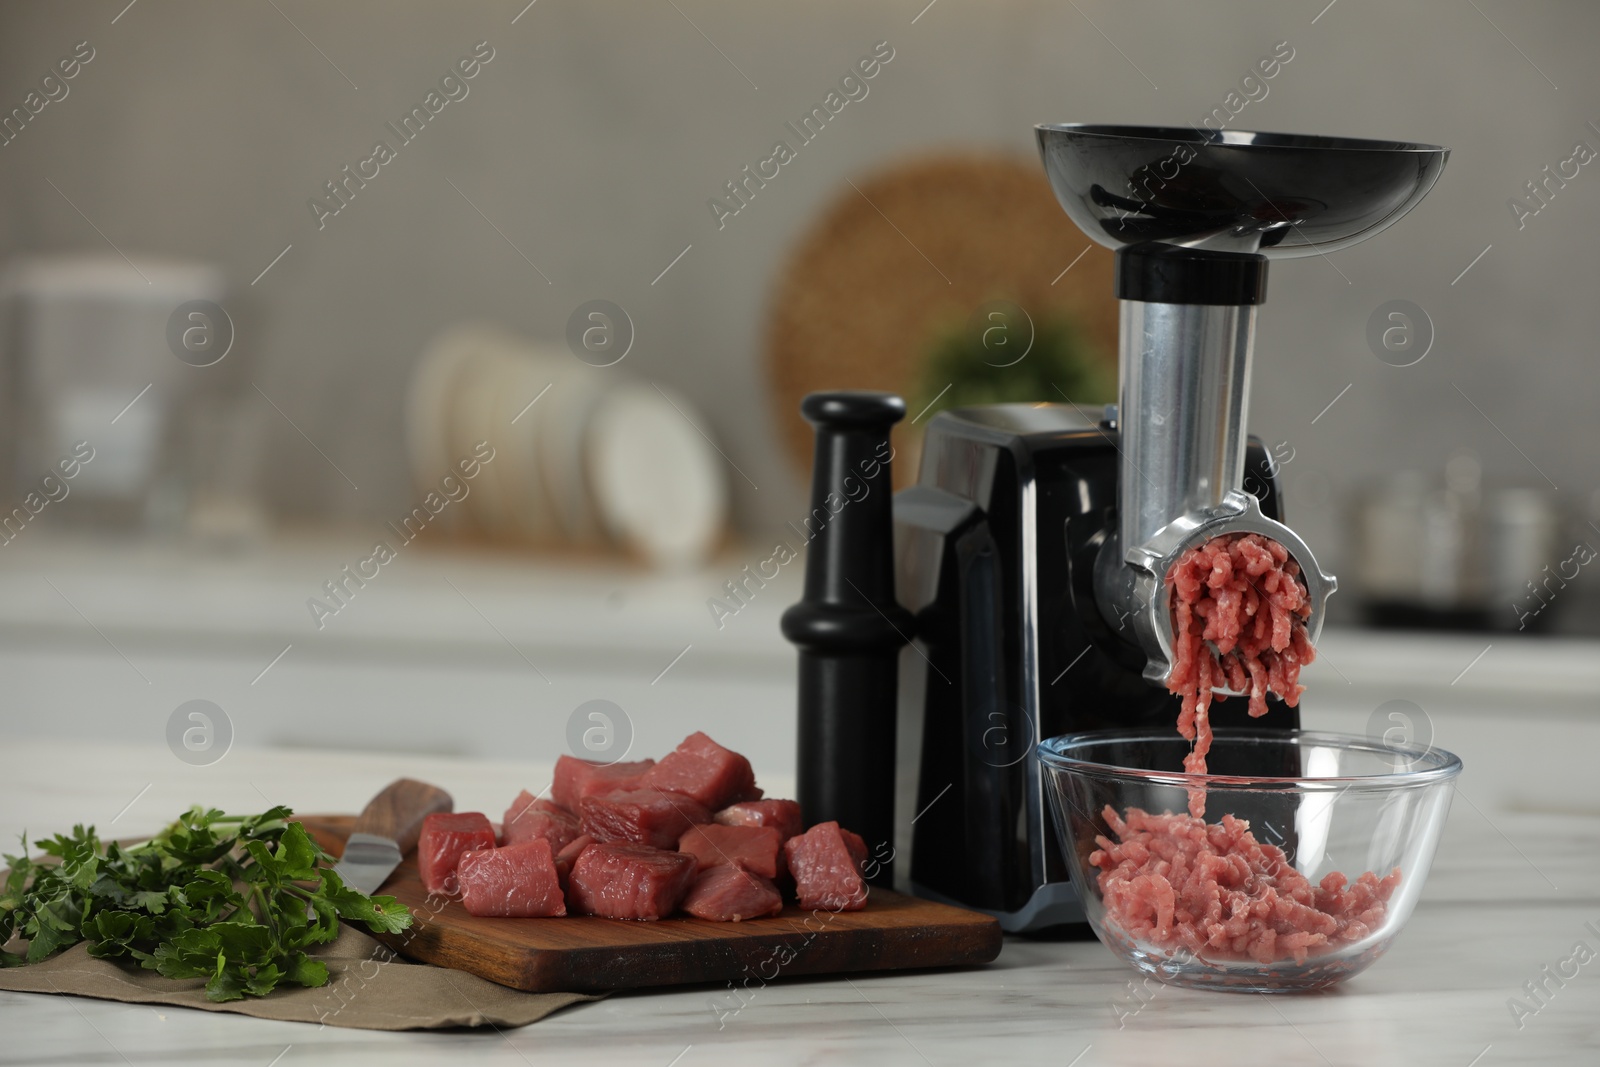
[(369, 988)]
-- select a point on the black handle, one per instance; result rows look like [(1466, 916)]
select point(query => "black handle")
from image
[(849, 627)]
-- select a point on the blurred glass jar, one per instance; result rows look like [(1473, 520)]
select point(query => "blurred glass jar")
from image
[(88, 359), (1458, 556)]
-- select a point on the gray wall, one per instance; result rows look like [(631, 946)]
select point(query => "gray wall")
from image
[(598, 131)]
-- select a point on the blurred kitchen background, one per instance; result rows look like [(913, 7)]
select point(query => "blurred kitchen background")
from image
[(270, 387)]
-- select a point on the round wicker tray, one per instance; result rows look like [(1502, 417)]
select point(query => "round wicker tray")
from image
[(912, 250)]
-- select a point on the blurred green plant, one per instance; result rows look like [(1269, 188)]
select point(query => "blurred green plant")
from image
[(1001, 355)]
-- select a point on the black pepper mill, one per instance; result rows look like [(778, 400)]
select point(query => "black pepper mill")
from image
[(849, 627)]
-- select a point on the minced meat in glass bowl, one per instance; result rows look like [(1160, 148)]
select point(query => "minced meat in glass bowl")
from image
[(1289, 882)]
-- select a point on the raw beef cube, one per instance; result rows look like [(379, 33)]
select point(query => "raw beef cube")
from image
[(731, 894), (755, 848), (517, 881), (641, 817), (825, 870), (444, 837), (577, 778), (703, 769), (566, 857), (782, 815), (857, 847), (629, 881), (528, 818)]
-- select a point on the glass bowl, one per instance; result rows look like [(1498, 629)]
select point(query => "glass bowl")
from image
[(1223, 906)]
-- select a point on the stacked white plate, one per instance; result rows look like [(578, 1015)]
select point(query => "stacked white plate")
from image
[(586, 457)]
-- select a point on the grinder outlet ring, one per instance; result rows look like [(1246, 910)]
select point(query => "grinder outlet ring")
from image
[(1132, 587)]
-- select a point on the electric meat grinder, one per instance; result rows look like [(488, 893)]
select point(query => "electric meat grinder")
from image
[(1032, 553)]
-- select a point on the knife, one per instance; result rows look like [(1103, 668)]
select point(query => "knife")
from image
[(386, 830)]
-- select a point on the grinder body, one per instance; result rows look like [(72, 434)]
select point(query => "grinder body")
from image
[(996, 549), (1033, 551)]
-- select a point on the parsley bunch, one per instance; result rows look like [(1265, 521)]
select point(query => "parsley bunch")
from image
[(235, 900)]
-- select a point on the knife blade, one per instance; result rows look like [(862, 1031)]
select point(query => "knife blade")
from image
[(386, 830)]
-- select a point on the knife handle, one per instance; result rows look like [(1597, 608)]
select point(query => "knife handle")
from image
[(398, 811)]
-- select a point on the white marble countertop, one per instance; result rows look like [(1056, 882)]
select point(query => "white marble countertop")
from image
[(1494, 913)]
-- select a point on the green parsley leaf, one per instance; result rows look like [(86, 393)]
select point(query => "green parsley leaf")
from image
[(381, 914), (235, 900)]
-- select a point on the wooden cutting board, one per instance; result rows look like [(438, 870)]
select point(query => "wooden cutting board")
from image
[(585, 953)]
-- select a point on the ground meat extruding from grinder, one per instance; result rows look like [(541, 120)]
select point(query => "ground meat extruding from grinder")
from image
[(1177, 883), (1239, 611)]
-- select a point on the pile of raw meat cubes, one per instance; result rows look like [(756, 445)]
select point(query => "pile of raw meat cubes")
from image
[(643, 840)]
